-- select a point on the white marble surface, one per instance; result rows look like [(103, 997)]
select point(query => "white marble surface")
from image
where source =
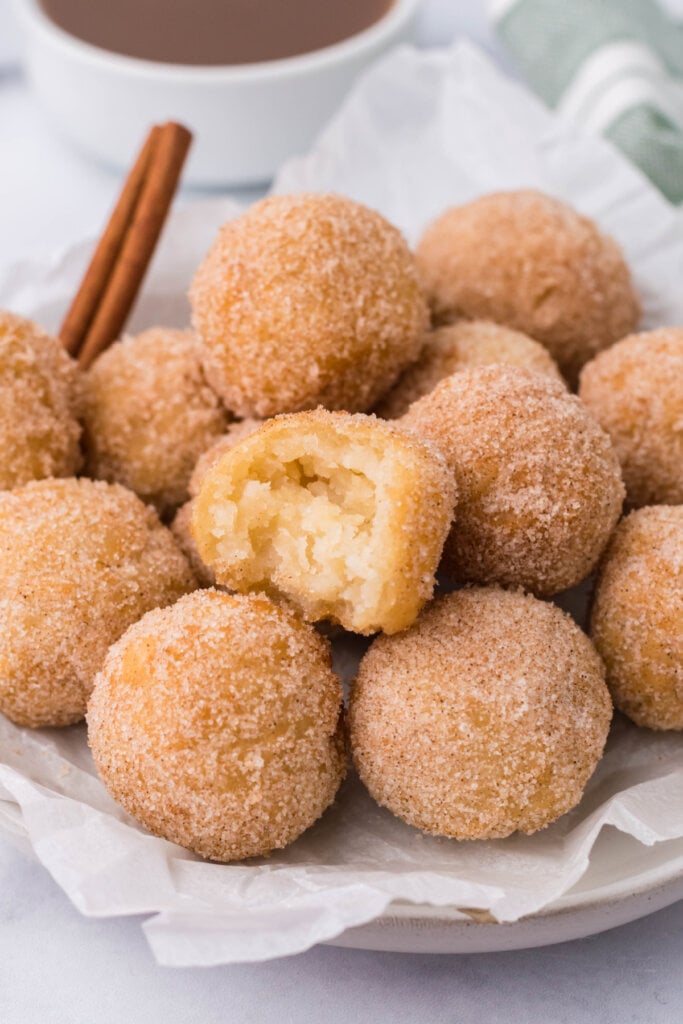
[(58, 967)]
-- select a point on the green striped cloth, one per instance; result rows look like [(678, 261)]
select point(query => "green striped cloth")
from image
[(615, 66)]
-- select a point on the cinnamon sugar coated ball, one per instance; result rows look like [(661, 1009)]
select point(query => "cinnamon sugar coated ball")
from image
[(80, 561), (486, 717), (307, 300), (149, 414), (635, 392), (538, 480), (217, 724), (459, 347), (344, 516), (527, 260), (39, 432), (637, 616)]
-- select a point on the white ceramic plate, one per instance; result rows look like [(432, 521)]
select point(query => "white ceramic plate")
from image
[(625, 881)]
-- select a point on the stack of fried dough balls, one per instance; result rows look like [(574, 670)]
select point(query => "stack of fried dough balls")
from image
[(323, 450), (307, 300), (538, 480), (80, 561), (487, 717), (462, 346), (39, 405), (635, 392), (217, 723), (637, 616), (149, 414), (320, 508), (527, 260)]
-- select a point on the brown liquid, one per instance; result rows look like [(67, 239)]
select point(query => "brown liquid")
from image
[(214, 31)]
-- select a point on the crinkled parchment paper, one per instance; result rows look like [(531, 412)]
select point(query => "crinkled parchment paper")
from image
[(420, 132)]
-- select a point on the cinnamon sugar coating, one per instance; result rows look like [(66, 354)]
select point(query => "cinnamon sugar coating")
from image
[(217, 724), (307, 300), (538, 480), (149, 414), (39, 405), (527, 260), (486, 717), (80, 560), (343, 515), (637, 616), (461, 346), (635, 392)]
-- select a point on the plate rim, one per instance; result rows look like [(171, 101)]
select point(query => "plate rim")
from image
[(568, 903), (426, 929)]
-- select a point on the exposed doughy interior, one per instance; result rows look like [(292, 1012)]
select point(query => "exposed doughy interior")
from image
[(306, 514), (332, 523)]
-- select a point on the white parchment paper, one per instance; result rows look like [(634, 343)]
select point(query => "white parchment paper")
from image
[(421, 132)]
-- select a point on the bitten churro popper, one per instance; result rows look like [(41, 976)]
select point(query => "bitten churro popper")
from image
[(307, 300), (343, 515)]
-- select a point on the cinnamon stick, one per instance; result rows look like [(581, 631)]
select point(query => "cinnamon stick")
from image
[(161, 180), (112, 281), (89, 295)]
